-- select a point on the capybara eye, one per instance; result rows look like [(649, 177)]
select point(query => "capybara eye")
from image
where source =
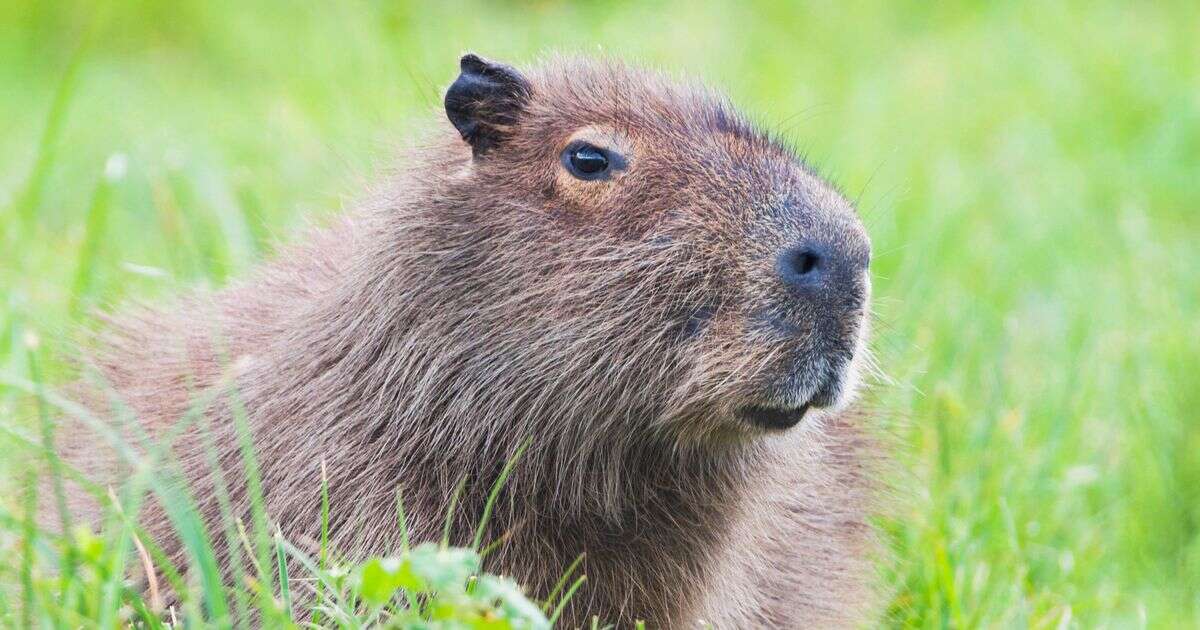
[(586, 161)]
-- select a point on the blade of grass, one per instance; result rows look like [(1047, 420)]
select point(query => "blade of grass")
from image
[(258, 511), (148, 567), (324, 516), (458, 490), (117, 551), (285, 593), (495, 492), (495, 544), (562, 604), (93, 235), (323, 554), (401, 521), (28, 533), (244, 539), (562, 581)]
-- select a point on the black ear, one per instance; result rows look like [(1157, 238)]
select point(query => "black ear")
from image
[(485, 101)]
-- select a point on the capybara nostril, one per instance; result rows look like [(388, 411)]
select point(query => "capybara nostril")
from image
[(802, 266)]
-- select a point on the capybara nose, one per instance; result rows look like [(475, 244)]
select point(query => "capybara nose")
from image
[(813, 266)]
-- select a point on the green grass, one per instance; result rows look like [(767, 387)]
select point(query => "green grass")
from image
[(1028, 173)]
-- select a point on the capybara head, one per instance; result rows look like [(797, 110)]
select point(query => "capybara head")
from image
[(615, 248)]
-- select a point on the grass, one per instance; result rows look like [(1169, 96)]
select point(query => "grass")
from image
[(1027, 172)]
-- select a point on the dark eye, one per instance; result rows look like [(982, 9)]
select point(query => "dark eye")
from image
[(586, 161)]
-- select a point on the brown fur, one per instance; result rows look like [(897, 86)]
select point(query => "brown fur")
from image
[(477, 303)]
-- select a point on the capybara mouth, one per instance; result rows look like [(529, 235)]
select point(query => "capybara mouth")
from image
[(773, 418)]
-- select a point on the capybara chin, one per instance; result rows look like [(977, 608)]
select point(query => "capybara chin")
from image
[(614, 270)]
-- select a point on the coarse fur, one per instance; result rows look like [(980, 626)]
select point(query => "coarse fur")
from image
[(484, 299)]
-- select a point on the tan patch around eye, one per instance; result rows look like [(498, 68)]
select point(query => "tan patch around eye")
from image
[(603, 137), (596, 195)]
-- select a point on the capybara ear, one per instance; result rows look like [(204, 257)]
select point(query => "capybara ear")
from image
[(485, 101)]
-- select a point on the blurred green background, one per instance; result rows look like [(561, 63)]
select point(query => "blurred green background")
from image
[(1028, 172)]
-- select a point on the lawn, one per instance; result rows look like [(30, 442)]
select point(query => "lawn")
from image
[(1029, 174)]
